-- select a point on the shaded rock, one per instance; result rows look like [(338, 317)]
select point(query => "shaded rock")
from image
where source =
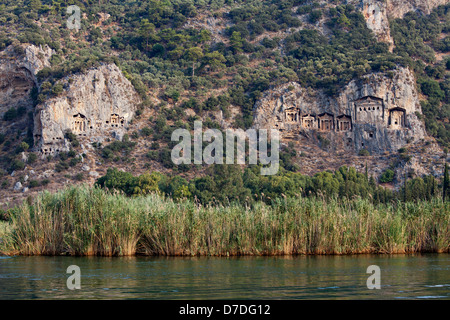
[(94, 174), (47, 173), (117, 135), (17, 186), (19, 66)]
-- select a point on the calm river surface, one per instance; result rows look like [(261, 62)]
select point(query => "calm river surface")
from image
[(303, 277)]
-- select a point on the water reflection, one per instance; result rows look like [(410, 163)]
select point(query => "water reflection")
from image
[(300, 277)]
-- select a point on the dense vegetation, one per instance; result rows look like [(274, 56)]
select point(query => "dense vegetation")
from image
[(156, 50), (418, 40), (86, 221), (172, 48), (264, 43), (224, 184)]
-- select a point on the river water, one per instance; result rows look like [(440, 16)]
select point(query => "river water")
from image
[(424, 276)]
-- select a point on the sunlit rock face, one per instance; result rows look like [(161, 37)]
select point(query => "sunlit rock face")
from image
[(376, 15), (96, 104), (377, 113)]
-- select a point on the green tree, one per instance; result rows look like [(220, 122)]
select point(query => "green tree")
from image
[(182, 192), (57, 89), (215, 60), (205, 36), (146, 30), (115, 179), (32, 157), (405, 188), (432, 89), (145, 184), (35, 4), (446, 184), (315, 16), (11, 114), (387, 176), (194, 54), (24, 146), (236, 42), (343, 21)]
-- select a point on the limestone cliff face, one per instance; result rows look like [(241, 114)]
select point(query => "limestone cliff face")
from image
[(376, 113), (18, 69), (96, 104), (398, 8), (377, 13)]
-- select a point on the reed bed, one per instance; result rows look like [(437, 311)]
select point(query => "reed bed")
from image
[(92, 221)]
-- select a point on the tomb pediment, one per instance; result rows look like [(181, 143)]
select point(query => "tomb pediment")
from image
[(397, 109), (326, 121), (344, 123), (79, 115), (369, 103), (79, 123), (369, 109), (369, 99), (308, 121), (292, 115), (397, 118), (325, 114)]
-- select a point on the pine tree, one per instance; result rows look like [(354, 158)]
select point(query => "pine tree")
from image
[(367, 173), (146, 31), (194, 54), (446, 184), (236, 42), (35, 4), (405, 189)]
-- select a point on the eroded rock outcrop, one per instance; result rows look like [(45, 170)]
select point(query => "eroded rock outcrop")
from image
[(96, 104), (377, 113), (398, 8), (377, 13), (19, 66)]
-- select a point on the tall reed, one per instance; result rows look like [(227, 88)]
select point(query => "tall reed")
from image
[(91, 221)]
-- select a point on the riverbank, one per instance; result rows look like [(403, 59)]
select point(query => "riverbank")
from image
[(90, 221)]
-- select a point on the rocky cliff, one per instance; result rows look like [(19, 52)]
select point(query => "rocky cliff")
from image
[(377, 13), (19, 66), (94, 105), (377, 113), (398, 8)]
